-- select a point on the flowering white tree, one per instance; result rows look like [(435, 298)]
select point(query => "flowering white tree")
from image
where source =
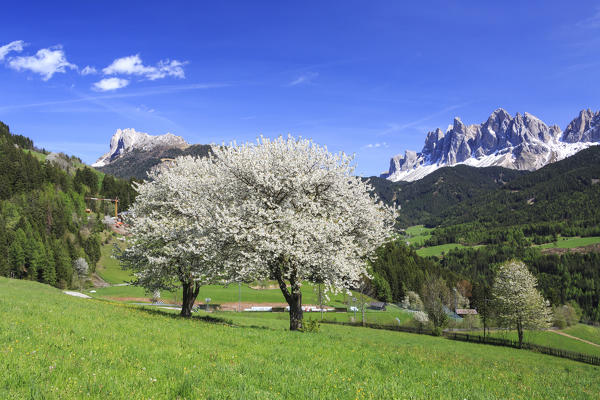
[(517, 302), (281, 209), (81, 266), (173, 240), (290, 210)]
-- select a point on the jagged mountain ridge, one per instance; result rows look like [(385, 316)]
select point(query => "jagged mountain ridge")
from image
[(127, 140), (523, 142)]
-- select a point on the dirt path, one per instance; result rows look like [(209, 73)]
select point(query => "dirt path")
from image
[(575, 337), (98, 282)]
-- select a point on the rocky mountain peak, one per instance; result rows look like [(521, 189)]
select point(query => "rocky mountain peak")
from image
[(520, 142), (586, 127), (126, 140)]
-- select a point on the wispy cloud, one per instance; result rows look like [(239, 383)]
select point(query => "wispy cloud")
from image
[(305, 78), (376, 145), (139, 93), (88, 70), (394, 127), (133, 65), (17, 46), (144, 108), (592, 22), (45, 62), (108, 84)]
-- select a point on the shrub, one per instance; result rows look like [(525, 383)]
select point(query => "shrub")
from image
[(311, 325)]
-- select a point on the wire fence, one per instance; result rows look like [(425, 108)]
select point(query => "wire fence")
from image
[(465, 337)]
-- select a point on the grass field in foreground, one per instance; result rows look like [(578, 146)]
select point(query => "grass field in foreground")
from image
[(570, 242), (58, 347), (549, 339)]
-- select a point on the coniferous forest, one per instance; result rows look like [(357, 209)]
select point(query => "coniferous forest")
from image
[(44, 226)]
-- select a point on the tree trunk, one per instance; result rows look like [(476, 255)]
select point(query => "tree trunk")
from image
[(293, 296), (296, 313), (190, 292), (520, 332)]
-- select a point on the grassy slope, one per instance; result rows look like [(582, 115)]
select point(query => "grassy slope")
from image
[(108, 267), (38, 155), (551, 339), (585, 332), (56, 346)]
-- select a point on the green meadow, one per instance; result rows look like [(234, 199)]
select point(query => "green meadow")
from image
[(571, 242), (438, 250), (228, 294), (552, 339), (108, 267), (55, 346), (418, 234), (585, 332)]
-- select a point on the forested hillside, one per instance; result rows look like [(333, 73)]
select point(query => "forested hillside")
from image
[(43, 224), (499, 215), (423, 201), (560, 199)]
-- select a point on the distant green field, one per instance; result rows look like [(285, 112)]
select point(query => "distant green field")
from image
[(54, 346), (550, 339), (418, 234), (570, 242), (229, 294), (387, 317), (438, 250), (108, 267), (585, 332)]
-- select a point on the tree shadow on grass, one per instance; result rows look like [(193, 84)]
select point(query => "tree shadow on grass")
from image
[(200, 318)]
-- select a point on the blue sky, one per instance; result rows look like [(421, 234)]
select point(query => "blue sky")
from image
[(369, 78)]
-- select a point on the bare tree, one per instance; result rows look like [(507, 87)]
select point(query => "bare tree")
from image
[(436, 297)]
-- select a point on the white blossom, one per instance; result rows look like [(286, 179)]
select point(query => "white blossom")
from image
[(518, 304), (285, 206)]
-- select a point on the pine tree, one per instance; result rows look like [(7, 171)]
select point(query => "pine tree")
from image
[(49, 272)]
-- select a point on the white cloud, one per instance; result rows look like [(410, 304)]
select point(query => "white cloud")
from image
[(17, 46), (305, 78), (46, 62), (110, 84), (376, 145), (133, 65), (88, 70), (144, 108)]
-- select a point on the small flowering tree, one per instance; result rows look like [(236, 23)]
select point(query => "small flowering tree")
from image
[(517, 302), (81, 267)]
